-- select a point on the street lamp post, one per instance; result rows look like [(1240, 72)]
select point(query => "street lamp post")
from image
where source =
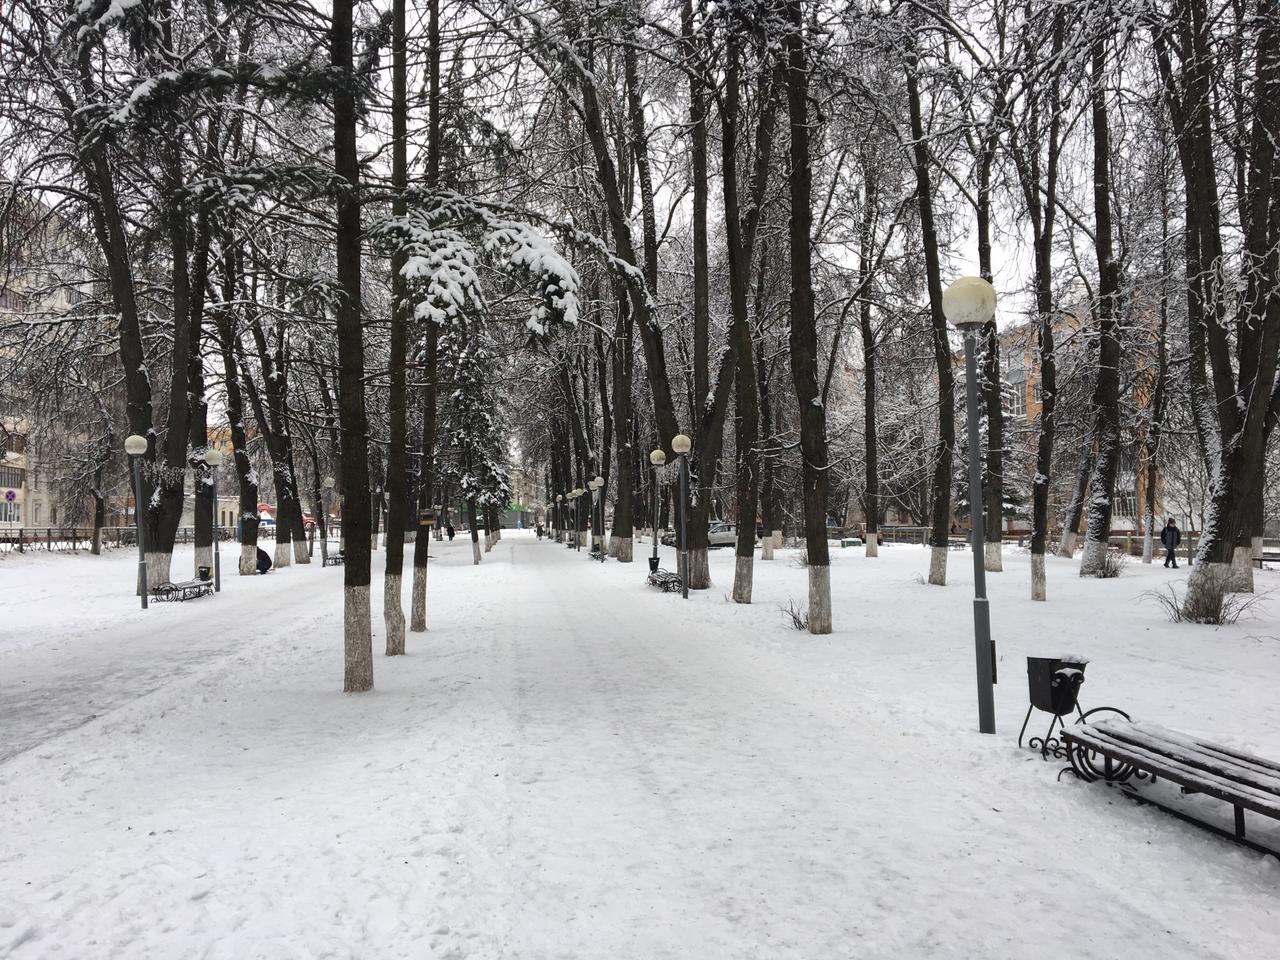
[(213, 457), (597, 542), (327, 486), (135, 446), (657, 458), (577, 517), (681, 444), (969, 303), (559, 517)]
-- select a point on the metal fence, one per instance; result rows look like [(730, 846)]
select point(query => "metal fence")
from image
[(76, 539)]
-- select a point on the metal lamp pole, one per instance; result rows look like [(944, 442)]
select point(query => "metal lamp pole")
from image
[(657, 458), (136, 446), (213, 457), (968, 304), (681, 444)]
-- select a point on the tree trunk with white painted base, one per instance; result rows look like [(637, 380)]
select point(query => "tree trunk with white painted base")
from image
[(742, 570), (393, 614), (159, 568), (1093, 557), (699, 569), (873, 544), (992, 557), (624, 549), (204, 558), (938, 565), (766, 547), (283, 556), (248, 559), (357, 521), (1242, 569), (1037, 577), (940, 512), (819, 598)]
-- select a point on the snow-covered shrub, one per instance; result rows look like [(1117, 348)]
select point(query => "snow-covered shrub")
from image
[(1208, 600), (1113, 564)]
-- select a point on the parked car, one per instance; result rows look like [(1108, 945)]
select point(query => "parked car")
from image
[(266, 526), (720, 533)]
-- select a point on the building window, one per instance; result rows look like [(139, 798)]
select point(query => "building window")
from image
[(53, 513), (1019, 405), (11, 476), (35, 514), (1039, 397), (12, 300), (15, 443), (10, 512)]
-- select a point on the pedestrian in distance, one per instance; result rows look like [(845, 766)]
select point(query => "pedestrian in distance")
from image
[(449, 530), (1170, 537)]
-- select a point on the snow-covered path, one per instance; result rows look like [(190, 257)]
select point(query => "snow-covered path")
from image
[(571, 765)]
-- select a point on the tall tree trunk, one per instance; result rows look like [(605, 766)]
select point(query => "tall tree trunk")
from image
[(398, 434), (622, 543), (1040, 195), (1106, 389), (246, 476), (804, 337), (940, 531), (426, 470), (357, 628)]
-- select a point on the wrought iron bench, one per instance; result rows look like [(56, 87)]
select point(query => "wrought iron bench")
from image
[(1121, 752), (665, 580), (334, 560), (169, 592)]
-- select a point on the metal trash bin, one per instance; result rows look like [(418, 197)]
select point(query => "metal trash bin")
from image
[(1053, 685)]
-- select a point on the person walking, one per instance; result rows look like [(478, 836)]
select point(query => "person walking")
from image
[(1170, 537), (449, 530)]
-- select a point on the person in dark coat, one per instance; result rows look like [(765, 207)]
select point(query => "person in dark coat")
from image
[(264, 561), (449, 530), (1170, 537)]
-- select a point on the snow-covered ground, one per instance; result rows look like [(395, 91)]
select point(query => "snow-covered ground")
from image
[(572, 765)]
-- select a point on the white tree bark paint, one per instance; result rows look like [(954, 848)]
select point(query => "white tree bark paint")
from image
[(699, 570), (1207, 578), (158, 568), (418, 601), (742, 570), (624, 549), (248, 560), (475, 552), (204, 558), (393, 614), (1037, 577), (301, 553), (766, 547), (992, 557), (873, 545), (283, 555), (1093, 557), (777, 539), (358, 640), (1257, 548), (819, 599), (1242, 570), (1148, 543), (1067, 545), (938, 566)]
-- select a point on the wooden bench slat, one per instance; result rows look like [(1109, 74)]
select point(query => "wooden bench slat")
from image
[(1244, 780), (1211, 757), (1238, 757), (1229, 791)]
